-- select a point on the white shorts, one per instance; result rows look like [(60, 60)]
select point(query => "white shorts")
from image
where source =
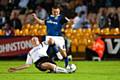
[(59, 41)]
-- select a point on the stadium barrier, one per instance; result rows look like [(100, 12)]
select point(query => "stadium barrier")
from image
[(20, 45), (112, 46), (14, 46)]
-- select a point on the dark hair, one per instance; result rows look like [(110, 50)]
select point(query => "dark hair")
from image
[(56, 7)]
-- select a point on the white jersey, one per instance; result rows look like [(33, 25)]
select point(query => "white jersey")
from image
[(37, 52)]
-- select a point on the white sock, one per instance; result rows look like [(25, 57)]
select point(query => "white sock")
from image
[(60, 57), (60, 70)]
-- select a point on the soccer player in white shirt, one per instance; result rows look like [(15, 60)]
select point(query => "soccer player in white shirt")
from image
[(39, 57)]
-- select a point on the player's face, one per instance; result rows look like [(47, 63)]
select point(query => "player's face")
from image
[(55, 12), (35, 42)]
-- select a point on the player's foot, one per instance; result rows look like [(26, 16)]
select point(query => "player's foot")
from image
[(50, 71), (69, 70)]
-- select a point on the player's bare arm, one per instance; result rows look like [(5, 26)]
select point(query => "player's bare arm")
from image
[(14, 69), (37, 19)]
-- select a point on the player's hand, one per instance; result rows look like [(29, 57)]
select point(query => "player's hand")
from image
[(33, 14), (12, 69)]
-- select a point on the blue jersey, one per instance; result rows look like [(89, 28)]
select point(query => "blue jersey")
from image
[(54, 25)]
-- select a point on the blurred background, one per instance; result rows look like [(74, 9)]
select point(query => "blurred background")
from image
[(101, 17)]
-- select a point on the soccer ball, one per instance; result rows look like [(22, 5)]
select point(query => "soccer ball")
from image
[(71, 67)]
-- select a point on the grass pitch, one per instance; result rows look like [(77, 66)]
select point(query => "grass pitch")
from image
[(86, 70)]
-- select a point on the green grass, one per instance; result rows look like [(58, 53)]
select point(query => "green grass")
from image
[(86, 70)]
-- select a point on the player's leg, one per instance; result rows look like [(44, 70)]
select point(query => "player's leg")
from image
[(53, 67), (68, 46), (60, 42), (65, 57), (54, 47), (59, 48), (45, 63), (56, 51)]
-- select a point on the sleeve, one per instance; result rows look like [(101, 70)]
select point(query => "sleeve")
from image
[(63, 20), (44, 43), (47, 19), (29, 59)]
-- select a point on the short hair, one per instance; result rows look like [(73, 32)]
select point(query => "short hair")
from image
[(56, 7)]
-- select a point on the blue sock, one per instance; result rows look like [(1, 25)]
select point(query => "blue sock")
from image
[(56, 49), (66, 60)]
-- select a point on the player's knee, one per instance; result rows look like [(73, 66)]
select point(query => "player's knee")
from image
[(44, 66), (51, 41), (60, 57), (63, 52)]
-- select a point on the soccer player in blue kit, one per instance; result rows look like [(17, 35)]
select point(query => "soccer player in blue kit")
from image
[(54, 24)]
